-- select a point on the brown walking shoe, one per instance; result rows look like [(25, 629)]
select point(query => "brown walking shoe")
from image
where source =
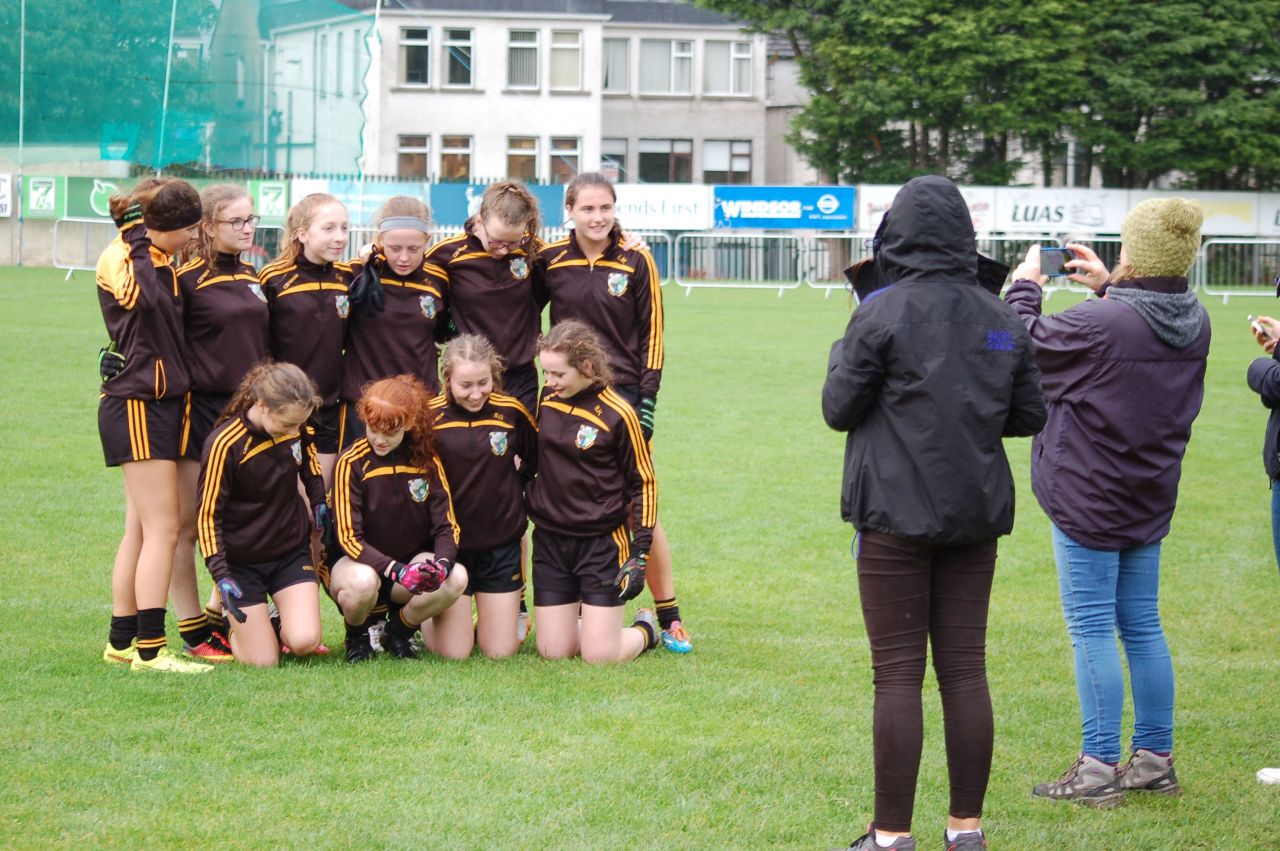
[(1090, 782), (1147, 772)]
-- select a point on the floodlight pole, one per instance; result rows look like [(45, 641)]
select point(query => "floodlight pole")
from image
[(22, 102), (168, 70)]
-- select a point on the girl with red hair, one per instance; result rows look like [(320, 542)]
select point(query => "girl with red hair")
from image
[(395, 524)]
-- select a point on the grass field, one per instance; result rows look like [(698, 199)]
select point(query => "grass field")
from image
[(759, 738)]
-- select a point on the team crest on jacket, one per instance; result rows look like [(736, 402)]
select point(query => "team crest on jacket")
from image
[(297, 452), (586, 437), (343, 304), (256, 289), (519, 268), (498, 442), (618, 283), (418, 489), (428, 305)]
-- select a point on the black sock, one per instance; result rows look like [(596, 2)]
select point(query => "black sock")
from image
[(124, 629), (651, 635), (150, 633), (354, 631), (195, 630), (668, 612), (217, 621), (524, 607), (398, 626)]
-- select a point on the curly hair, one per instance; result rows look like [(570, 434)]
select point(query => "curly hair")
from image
[(581, 348), (401, 402)]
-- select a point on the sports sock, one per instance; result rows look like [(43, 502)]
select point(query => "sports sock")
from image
[(885, 841), (668, 612), (398, 626), (217, 620), (150, 633), (124, 629), (650, 635), (355, 630), (195, 630), (953, 835)]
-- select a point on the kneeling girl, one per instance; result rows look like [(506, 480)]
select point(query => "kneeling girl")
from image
[(254, 527), (395, 523), (593, 468)]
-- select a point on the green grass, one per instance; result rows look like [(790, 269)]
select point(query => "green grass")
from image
[(760, 738)]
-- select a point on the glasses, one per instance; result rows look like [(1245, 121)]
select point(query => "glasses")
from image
[(494, 244), (239, 224)]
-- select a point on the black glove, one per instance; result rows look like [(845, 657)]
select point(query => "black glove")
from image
[(630, 578), (132, 215), (647, 404), (110, 362), (322, 519), (366, 290), (230, 591)]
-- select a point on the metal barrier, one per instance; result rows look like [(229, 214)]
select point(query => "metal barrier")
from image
[(826, 257), (103, 231), (767, 262), (1229, 267)]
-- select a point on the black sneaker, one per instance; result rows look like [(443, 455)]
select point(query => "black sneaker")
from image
[(358, 647), (399, 646)]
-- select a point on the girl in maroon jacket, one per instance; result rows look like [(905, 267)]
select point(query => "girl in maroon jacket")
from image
[(487, 441), (395, 524), (594, 503), (140, 411), (255, 529)]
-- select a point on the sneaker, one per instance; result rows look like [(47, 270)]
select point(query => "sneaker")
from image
[(166, 662), (376, 630), (1090, 782), (120, 657), (1270, 776), (676, 639), (646, 616), (522, 626), (973, 840), (867, 842), (358, 647), (397, 646), (215, 650), (1147, 772)]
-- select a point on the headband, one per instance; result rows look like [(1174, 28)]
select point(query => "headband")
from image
[(179, 219), (397, 222)]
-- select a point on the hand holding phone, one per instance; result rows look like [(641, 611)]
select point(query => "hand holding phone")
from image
[(1053, 262)]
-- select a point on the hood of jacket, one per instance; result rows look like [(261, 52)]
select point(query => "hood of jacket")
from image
[(927, 235)]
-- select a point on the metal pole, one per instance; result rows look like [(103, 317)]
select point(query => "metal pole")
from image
[(168, 68), (22, 102)]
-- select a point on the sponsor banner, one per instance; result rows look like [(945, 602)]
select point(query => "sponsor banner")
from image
[(1225, 213), (43, 197), (89, 197), (875, 200), (982, 206), (784, 207), (6, 195), (453, 203), (664, 206), (1073, 211), (270, 200), (362, 199), (1269, 215)]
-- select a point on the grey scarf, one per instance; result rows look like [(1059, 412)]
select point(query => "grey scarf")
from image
[(1174, 317)]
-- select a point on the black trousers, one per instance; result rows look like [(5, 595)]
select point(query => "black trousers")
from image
[(915, 595)]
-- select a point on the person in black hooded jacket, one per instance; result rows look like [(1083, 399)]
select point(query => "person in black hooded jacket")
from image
[(931, 374)]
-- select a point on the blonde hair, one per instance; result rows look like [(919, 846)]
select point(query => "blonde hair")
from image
[(580, 347), (470, 348), (402, 205), (301, 215), (214, 200), (513, 205)]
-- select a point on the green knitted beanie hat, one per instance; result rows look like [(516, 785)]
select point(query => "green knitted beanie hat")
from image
[(1161, 237)]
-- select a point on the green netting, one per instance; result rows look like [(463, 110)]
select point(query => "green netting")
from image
[(90, 84)]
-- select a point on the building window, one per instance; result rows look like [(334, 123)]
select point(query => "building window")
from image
[(457, 48), (339, 54), (522, 59), (566, 60), (357, 60), (522, 157), (415, 57), (455, 157), (412, 155), (613, 159), (617, 64), (726, 161), (322, 75), (666, 67), (727, 68), (566, 154), (666, 160)]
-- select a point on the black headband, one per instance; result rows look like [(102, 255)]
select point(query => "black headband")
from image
[(180, 219)]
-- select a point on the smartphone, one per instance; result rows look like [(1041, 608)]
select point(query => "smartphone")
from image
[(1257, 326), (1053, 262)]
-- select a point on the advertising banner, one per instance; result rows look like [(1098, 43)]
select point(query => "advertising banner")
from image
[(664, 206), (44, 197), (1269, 215), (784, 207), (270, 200), (453, 203), (362, 200), (6, 195), (1071, 211), (874, 200), (1225, 213)]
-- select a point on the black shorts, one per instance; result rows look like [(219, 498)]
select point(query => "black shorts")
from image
[(385, 584), (630, 392), (138, 430), (569, 569), (521, 381), (202, 411), (325, 422), (259, 580), (350, 426), (495, 571)]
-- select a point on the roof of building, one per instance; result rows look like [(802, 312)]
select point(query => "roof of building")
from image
[(679, 12)]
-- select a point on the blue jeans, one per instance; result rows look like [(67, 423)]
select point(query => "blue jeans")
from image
[(1102, 593), (1275, 520)]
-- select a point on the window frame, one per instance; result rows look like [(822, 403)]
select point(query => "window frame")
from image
[(676, 59), (416, 42), (626, 66), (535, 47), (553, 49), (448, 45), (555, 154), (447, 150), (404, 149), (530, 153)]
